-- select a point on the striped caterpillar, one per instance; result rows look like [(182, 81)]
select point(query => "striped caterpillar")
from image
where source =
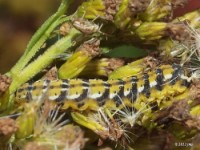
[(79, 94)]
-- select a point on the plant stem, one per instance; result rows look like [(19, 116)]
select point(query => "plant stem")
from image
[(40, 36), (44, 60)]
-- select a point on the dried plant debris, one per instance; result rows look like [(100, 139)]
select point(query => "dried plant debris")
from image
[(179, 111), (8, 126), (52, 74), (112, 6), (178, 31), (4, 83), (91, 48), (193, 123), (114, 63), (71, 137), (64, 29), (137, 6), (151, 62), (189, 49), (195, 90)]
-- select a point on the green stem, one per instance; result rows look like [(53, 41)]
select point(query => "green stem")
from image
[(44, 60), (61, 10), (41, 35)]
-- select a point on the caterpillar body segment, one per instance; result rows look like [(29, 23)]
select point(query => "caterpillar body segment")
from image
[(79, 94)]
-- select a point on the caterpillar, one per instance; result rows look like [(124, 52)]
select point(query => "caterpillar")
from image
[(82, 94)]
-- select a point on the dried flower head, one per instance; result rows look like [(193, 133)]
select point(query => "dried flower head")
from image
[(8, 126), (189, 48), (4, 83)]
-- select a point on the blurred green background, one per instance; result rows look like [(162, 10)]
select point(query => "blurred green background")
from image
[(19, 19)]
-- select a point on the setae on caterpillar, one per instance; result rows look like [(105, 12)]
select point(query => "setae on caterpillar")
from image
[(79, 94)]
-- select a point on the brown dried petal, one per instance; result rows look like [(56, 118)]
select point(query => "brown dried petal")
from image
[(115, 63), (52, 74), (112, 7), (137, 6), (72, 137), (64, 29), (195, 90), (91, 48), (150, 62), (4, 83), (8, 126), (178, 31), (193, 123), (177, 111)]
